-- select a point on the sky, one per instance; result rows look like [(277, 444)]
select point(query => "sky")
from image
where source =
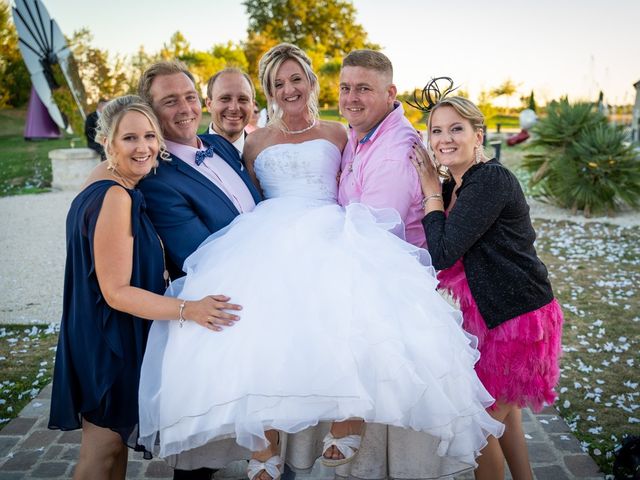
[(553, 47)]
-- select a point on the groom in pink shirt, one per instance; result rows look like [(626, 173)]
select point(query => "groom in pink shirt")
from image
[(376, 169)]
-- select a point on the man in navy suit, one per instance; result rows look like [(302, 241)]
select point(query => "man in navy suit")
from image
[(199, 191), (204, 185)]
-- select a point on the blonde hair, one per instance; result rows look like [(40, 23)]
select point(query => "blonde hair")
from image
[(268, 69), (467, 110), (112, 115)]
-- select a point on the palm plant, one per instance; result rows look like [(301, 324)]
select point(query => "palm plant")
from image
[(582, 162)]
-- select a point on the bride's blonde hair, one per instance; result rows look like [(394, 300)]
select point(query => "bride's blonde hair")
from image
[(267, 70)]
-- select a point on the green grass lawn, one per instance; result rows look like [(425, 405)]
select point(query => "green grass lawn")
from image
[(24, 165), (331, 114), (507, 122)]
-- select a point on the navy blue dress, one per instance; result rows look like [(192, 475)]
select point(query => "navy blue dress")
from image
[(100, 350)]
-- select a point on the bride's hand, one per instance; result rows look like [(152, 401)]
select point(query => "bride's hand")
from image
[(427, 171), (211, 312)]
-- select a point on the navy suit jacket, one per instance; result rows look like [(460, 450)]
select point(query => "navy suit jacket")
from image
[(186, 207)]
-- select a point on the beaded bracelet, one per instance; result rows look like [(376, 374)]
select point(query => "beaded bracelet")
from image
[(429, 197), (181, 318)]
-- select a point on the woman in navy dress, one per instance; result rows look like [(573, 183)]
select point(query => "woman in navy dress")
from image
[(114, 280)]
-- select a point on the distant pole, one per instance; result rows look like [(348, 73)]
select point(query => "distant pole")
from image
[(497, 146), (635, 120)]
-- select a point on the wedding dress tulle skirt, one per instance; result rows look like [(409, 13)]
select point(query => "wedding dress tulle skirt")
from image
[(340, 319)]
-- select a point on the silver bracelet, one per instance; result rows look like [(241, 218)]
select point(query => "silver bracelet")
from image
[(429, 197), (181, 318)]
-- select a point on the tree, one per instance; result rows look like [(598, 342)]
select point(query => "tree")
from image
[(486, 107), (138, 64), (15, 81), (100, 76), (309, 23), (255, 46), (204, 64), (178, 48), (507, 88), (580, 161), (325, 29), (529, 101)]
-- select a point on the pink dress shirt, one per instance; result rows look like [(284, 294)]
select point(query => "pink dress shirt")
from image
[(218, 171), (377, 171)]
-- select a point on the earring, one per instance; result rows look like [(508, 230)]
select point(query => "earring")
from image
[(479, 157), (111, 165)]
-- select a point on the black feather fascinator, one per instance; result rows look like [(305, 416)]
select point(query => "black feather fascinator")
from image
[(434, 91)]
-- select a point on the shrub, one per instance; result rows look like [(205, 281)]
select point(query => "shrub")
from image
[(582, 162)]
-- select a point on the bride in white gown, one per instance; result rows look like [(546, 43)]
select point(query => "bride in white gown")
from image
[(340, 319)]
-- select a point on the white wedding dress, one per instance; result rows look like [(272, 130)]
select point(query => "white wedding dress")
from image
[(340, 319)]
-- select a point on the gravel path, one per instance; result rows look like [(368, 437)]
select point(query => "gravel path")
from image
[(32, 252)]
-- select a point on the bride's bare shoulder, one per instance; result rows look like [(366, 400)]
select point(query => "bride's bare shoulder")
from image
[(258, 140), (336, 132)]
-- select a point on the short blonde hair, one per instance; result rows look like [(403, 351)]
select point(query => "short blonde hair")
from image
[(465, 108), (112, 115), (268, 69)]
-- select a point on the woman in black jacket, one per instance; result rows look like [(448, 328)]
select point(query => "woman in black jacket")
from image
[(479, 234)]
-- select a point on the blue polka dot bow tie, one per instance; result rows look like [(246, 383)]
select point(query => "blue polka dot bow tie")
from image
[(202, 154)]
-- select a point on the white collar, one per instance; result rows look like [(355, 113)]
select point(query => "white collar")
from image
[(239, 143)]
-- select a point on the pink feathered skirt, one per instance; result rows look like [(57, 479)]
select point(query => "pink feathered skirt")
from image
[(519, 359)]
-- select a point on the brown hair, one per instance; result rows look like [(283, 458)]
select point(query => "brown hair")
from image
[(224, 71), (370, 59)]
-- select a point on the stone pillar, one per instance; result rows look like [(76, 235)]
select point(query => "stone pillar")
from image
[(70, 167)]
